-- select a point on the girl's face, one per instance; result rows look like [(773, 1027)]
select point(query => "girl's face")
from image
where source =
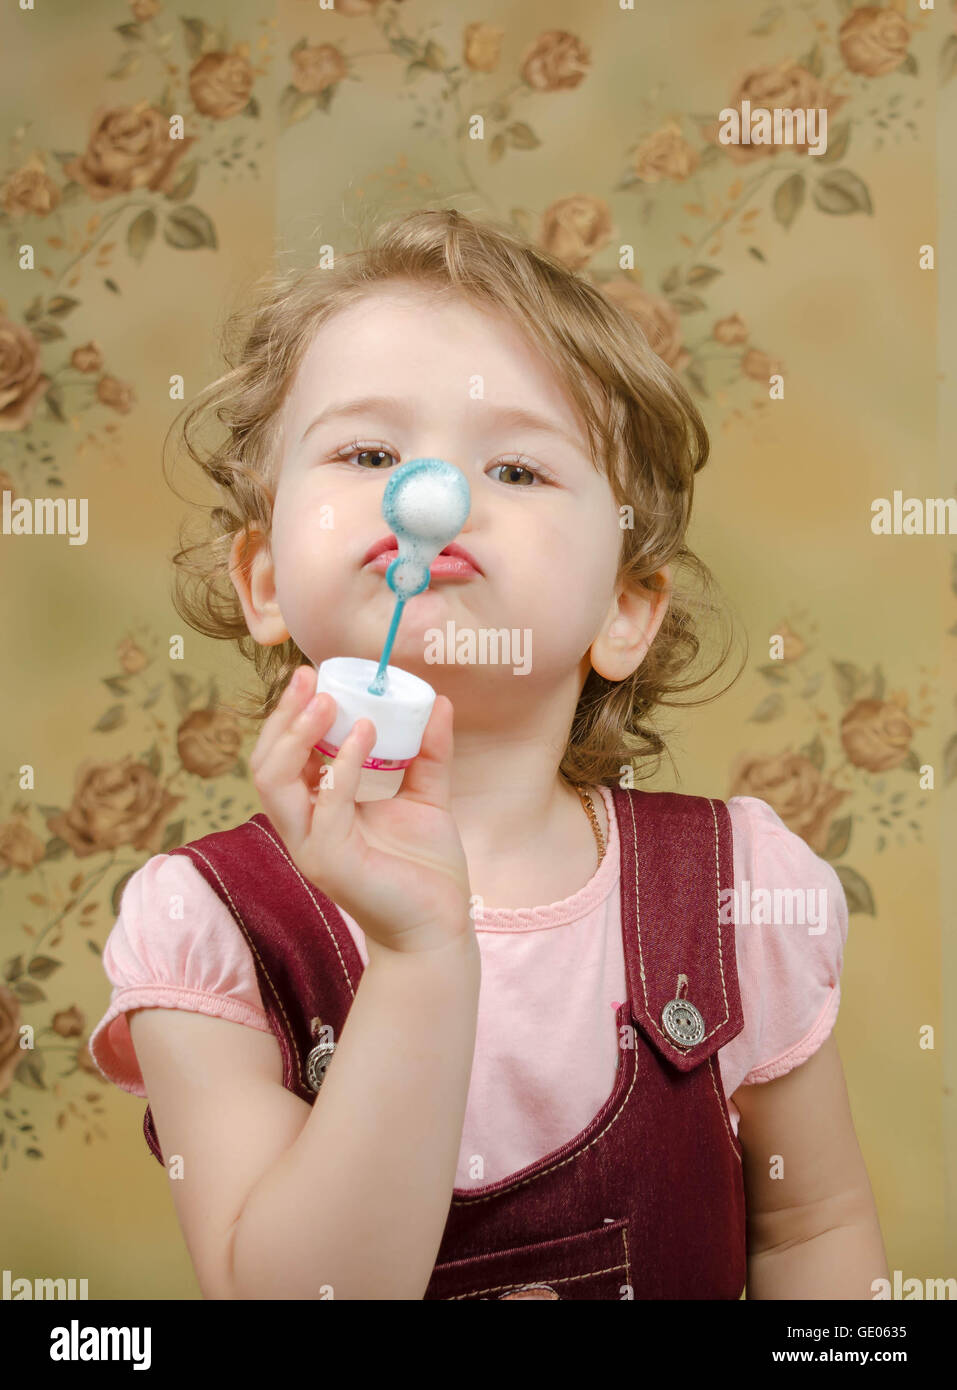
[(405, 375)]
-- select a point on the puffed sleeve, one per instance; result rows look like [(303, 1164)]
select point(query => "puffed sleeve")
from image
[(789, 952), (174, 945)]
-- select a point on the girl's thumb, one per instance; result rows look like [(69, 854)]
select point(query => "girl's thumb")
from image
[(429, 775)]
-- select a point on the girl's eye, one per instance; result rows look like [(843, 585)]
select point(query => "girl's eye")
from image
[(376, 452), (521, 465), (365, 450)]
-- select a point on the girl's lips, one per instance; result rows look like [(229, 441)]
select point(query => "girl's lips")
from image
[(442, 567)]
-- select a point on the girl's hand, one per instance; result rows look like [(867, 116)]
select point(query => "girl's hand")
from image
[(397, 866)]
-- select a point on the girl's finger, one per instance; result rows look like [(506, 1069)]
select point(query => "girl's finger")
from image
[(335, 806), (292, 701), (279, 775), (428, 777)]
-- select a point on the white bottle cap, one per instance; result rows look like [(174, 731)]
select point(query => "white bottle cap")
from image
[(399, 715)]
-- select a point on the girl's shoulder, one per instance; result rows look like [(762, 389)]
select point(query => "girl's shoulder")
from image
[(173, 945), (790, 930)]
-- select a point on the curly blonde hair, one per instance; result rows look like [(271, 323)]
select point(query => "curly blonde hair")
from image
[(644, 432)]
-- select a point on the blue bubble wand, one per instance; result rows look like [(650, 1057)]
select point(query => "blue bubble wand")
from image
[(426, 503)]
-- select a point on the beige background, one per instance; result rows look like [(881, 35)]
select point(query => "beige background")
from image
[(783, 508)]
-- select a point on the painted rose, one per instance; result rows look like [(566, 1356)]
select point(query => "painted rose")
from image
[(730, 331), (666, 155), (131, 657), (787, 86), (876, 734), (317, 67), (30, 191), (793, 787), (555, 61), (481, 47), (19, 847), (119, 803), (759, 366), (208, 741), (873, 41), (144, 9), (129, 148), (220, 84), (10, 1052), (22, 381), (87, 358), (792, 646), (68, 1022), (118, 395), (658, 320), (574, 229)]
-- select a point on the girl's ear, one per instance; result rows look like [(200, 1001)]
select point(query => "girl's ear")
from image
[(253, 577), (630, 627)]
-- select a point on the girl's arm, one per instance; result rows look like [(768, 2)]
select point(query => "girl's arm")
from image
[(813, 1231), (348, 1198)]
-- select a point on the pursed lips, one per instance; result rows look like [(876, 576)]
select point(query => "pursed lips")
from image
[(388, 545)]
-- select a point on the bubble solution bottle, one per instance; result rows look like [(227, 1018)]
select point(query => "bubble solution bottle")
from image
[(425, 504)]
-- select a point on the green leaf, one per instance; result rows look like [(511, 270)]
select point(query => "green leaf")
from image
[(840, 192), (839, 837), (775, 671), (703, 274), (788, 199), (29, 1072), (856, 890), (173, 835), (687, 303), (183, 687), (112, 719), (140, 233), (496, 148), (909, 66), (295, 106), (838, 140), (672, 280), (128, 66), (42, 966), (522, 137), (46, 332), (814, 752), (28, 991), (117, 685), (848, 678), (196, 31), (769, 708), (61, 305), (56, 848), (188, 229)]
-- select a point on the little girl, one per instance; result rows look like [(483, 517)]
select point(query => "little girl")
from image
[(498, 1036)]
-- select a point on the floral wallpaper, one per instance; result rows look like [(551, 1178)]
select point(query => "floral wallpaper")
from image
[(174, 151)]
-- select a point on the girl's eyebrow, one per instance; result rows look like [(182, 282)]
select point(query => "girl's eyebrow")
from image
[(514, 415)]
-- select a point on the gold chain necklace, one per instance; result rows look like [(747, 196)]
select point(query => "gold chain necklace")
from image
[(590, 812)]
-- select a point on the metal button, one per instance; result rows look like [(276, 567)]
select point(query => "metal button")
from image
[(317, 1062), (682, 1022), (531, 1291)]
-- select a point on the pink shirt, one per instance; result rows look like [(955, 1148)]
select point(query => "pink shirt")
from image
[(539, 1074)]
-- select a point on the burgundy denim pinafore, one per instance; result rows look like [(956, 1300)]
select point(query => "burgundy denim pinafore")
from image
[(647, 1201)]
